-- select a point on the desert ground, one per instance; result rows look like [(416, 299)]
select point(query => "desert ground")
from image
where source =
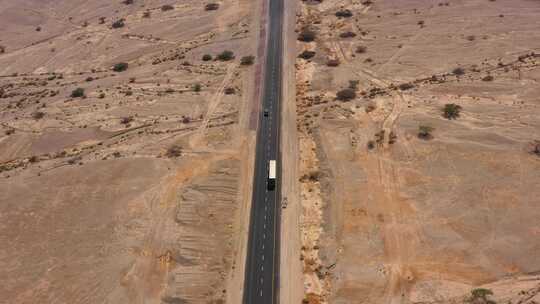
[(125, 149), (402, 201)]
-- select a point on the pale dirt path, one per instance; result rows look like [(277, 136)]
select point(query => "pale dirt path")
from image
[(291, 284), (197, 138)]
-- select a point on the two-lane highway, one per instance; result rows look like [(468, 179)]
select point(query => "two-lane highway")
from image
[(262, 263)]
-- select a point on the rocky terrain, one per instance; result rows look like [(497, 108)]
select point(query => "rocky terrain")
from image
[(419, 149), (124, 149)]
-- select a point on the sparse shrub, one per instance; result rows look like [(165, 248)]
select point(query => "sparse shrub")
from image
[(471, 38), (127, 2), (392, 137), (38, 29), (307, 35), (186, 119), (346, 94), (406, 86), (211, 6), (207, 57), (167, 7), (451, 111), (535, 147), (9, 131), (347, 34), (361, 49), (197, 87), (424, 132), (306, 55), (353, 84), (370, 145), (118, 24), (89, 78), (488, 78), (344, 13), (132, 79), (333, 63), (247, 60), (101, 95), (77, 93), (229, 91), (38, 115), (2, 49), (174, 151), (101, 20), (225, 55), (120, 67), (33, 159), (458, 71), (128, 92), (421, 23), (146, 14)]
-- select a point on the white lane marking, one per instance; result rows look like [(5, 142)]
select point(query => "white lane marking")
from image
[(263, 257), (260, 294), (264, 235)]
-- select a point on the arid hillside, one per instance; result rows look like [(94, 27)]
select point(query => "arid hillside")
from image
[(419, 127), (124, 148)]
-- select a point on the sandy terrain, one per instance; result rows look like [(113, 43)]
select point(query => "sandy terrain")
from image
[(391, 216), (136, 191)]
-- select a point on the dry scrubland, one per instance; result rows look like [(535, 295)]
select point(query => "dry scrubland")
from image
[(402, 201), (127, 190)]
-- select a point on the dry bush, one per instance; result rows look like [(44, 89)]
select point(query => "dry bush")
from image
[(229, 91), (38, 115), (361, 49), (424, 132), (307, 35), (406, 86), (174, 151), (207, 57), (306, 55), (211, 6), (126, 120), (247, 60), (166, 7), (458, 71), (333, 63), (488, 78), (346, 94), (118, 24), (347, 34), (344, 13)]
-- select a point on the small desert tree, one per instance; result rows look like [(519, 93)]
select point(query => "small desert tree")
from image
[(481, 296), (197, 87), (78, 92), (207, 57), (225, 55), (174, 151), (344, 13), (120, 67), (451, 111)]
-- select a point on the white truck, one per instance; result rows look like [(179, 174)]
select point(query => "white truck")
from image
[(271, 185)]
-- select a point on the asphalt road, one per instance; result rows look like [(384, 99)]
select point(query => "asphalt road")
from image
[(262, 263)]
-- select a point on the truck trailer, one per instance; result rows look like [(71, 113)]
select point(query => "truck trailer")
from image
[(271, 175)]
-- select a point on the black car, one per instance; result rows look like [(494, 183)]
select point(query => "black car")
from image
[(265, 112)]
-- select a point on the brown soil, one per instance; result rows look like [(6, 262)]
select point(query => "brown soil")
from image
[(390, 217), (135, 192)]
